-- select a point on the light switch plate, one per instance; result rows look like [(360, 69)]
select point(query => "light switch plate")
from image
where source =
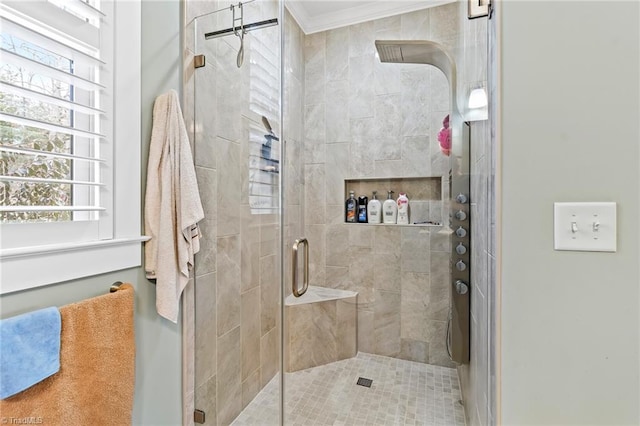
[(585, 226)]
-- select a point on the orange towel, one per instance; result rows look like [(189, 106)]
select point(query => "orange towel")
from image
[(97, 362)]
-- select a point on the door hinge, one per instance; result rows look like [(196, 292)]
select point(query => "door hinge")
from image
[(198, 416), (199, 61)]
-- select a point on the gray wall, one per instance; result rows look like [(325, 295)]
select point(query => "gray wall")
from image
[(157, 398), (569, 124)]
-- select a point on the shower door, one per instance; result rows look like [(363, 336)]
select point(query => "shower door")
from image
[(235, 83)]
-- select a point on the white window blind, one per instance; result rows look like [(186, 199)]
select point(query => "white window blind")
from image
[(56, 143), (69, 178)]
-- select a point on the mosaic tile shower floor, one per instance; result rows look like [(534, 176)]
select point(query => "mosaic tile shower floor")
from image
[(402, 393)]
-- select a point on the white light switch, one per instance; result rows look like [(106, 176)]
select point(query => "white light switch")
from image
[(584, 226)]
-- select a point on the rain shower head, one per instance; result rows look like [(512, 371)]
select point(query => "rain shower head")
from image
[(389, 52), (420, 52), (416, 52)]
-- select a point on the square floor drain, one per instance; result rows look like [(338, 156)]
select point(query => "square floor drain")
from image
[(364, 382)]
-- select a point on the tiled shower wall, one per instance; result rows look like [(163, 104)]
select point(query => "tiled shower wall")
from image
[(234, 348), (365, 119)]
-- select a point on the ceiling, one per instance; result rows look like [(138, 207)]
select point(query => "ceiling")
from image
[(319, 15)]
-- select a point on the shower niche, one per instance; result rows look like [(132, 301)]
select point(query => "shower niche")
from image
[(424, 193)]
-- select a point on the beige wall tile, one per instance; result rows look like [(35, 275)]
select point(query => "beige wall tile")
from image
[(387, 239), (250, 388), (228, 284), (415, 253), (317, 253), (206, 258), (361, 39), (206, 398), (250, 332), (437, 344), (336, 170), (346, 318), (440, 287), (415, 303), (361, 91), (338, 245), (386, 270), (387, 323), (414, 350), (229, 383), (269, 285), (229, 187), (205, 328), (314, 133), (337, 115), (361, 236), (338, 277), (365, 330), (249, 250), (269, 356), (314, 194), (312, 335)]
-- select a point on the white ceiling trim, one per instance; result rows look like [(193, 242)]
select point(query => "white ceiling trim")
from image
[(341, 17)]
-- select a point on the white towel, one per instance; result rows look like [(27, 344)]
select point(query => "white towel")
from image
[(172, 206)]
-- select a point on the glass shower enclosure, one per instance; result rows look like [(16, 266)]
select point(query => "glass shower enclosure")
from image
[(300, 317)]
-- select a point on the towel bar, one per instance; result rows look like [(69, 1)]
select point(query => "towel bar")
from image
[(115, 286)]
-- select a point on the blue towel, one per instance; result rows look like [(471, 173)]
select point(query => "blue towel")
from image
[(29, 349)]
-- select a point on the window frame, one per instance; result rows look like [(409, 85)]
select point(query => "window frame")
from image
[(35, 265)]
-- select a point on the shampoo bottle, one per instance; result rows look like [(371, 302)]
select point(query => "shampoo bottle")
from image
[(389, 209), (362, 209), (403, 209), (374, 209), (351, 207)]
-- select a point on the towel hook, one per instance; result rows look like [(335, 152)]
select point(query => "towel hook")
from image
[(115, 286)]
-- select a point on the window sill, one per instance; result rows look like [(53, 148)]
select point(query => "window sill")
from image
[(29, 267)]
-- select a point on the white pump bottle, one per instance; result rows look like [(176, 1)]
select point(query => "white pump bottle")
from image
[(374, 209), (389, 209)]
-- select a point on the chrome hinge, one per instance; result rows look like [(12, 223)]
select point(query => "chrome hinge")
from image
[(198, 416), (199, 61), (478, 8)]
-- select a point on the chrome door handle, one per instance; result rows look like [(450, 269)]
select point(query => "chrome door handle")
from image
[(294, 267)]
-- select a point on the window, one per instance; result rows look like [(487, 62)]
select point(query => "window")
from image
[(69, 178)]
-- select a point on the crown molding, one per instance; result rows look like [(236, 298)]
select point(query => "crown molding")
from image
[(366, 11)]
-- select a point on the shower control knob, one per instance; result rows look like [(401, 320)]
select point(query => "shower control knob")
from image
[(461, 266), (460, 215), (462, 199), (461, 249), (461, 287), (461, 232)]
